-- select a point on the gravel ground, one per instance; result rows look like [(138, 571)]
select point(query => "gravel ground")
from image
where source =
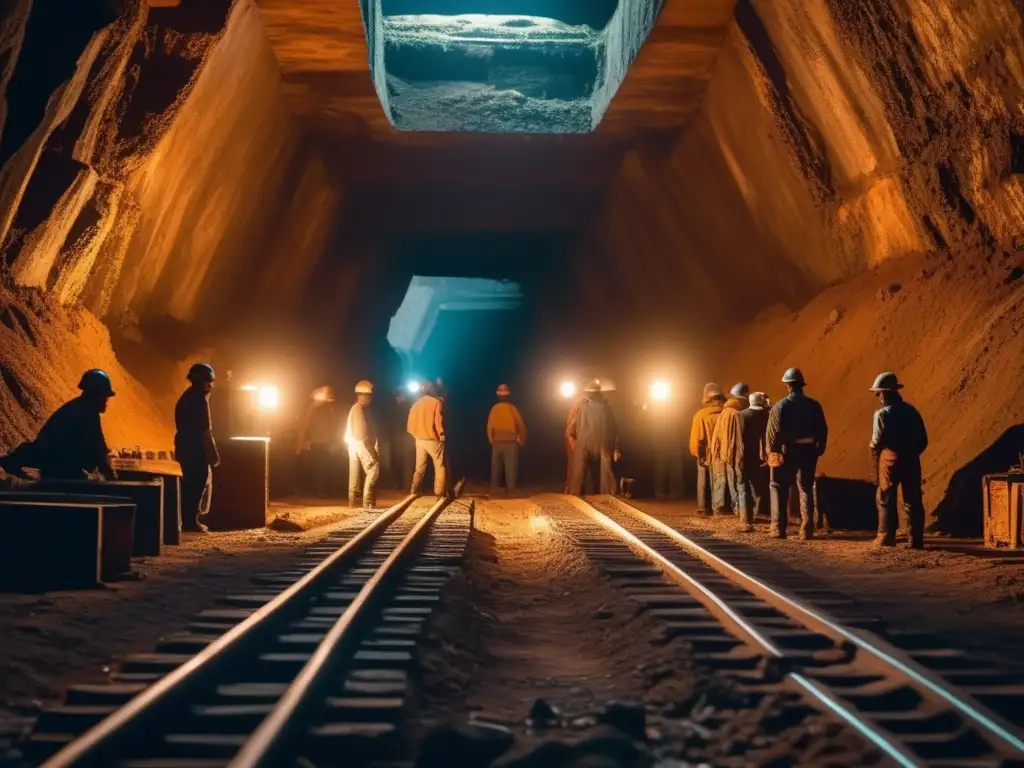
[(49, 641), (530, 621), (955, 588)]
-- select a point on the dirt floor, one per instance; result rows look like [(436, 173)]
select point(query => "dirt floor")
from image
[(954, 587), (532, 619), (48, 641)]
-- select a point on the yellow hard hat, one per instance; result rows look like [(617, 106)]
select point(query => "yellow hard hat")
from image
[(364, 387)]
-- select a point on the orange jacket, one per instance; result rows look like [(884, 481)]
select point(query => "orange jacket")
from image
[(505, 424), (726, 440), (426, 419), (703, 429)]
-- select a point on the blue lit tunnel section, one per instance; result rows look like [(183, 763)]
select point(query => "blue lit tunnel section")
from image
[(427, 301)]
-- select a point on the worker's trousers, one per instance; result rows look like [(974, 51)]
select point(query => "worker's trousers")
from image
[(432, 451), (732, 488), (363, 464), (710, 488), (799, 466), (894, 472), (504, 457), (581, 460), (196, 493), (751, 491), (668, 473)]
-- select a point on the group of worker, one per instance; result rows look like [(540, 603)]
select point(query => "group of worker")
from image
[(747, 453)]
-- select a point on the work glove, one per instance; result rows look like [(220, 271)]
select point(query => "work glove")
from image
[(775, 459)]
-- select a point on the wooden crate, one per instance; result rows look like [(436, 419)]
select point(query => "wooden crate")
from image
[(147, 496), (51, 544), (1003, 507), (240, 484)]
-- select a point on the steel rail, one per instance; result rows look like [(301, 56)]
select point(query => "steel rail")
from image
[(882, 651), (98, 746), (268, 743), (742, 628)]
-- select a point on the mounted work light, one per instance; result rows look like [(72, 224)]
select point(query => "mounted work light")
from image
[(660, 390)]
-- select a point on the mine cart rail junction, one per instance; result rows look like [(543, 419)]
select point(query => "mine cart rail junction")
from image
[(322, 663)]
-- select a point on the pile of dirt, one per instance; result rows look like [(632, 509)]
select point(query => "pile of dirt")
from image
[(44, 348), (958, 354)]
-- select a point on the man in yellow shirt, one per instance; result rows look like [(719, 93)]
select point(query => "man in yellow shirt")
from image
[(506, 432)]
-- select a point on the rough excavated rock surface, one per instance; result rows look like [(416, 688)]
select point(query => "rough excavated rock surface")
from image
[(152, 170), (165, 175)]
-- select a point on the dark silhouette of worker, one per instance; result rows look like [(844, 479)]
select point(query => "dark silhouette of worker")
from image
[(898, 439), (710, 477), (725, 442), (595, 439), (195, 448), (752, 475), (795, 439), (318, 437), (71, 445), (667, 436)]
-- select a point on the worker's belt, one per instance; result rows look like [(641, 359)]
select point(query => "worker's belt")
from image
[(805, 441)]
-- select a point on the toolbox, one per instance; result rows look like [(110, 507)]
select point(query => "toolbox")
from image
[(1003, 505)]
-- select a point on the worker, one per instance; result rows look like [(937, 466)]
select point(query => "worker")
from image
[(726, 447), (71, 445), (506, 432), (574, 408), (195, 448), (595, 438), (710, 479), (898, 439), (317, 437), (363, 448), (795, 439), (666, 435), (426, 425), (751, 469)]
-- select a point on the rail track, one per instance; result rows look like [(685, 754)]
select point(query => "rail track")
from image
[(921, 704), (312, 663)]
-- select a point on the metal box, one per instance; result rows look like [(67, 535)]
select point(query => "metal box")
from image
[(1003, 505)]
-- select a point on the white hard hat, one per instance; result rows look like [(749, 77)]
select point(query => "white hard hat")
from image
[(364, 387)]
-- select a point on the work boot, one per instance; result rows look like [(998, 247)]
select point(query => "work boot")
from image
[(913, 543), (353, 500), (806, 531), (703, 513), (883, 540), (747, 528), (775, 533)]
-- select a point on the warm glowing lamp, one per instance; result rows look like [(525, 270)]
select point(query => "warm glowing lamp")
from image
[(661, 390), (568, 389), (268, 398)]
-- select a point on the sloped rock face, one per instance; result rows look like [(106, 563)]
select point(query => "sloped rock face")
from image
[(835, 135), (155, 169)]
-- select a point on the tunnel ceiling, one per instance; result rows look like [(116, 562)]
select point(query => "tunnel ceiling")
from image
[(429, 181)]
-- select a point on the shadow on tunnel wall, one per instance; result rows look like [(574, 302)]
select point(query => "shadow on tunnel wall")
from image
[(848, 504), (960, 511)]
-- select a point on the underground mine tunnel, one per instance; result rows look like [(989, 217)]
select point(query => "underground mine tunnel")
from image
[(460, 194), (717, 191)]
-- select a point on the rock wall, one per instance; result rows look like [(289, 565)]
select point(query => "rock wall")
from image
[(165, 175), (836, 134), (839, 137), (151, 170)]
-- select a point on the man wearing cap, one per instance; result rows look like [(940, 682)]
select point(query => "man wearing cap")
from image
[(71, 445), (710, 483), (506, 432), (751, 470), (726, 449), (194, 447), (363, 448), (595, 438), (795, 438), (898, 439)]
